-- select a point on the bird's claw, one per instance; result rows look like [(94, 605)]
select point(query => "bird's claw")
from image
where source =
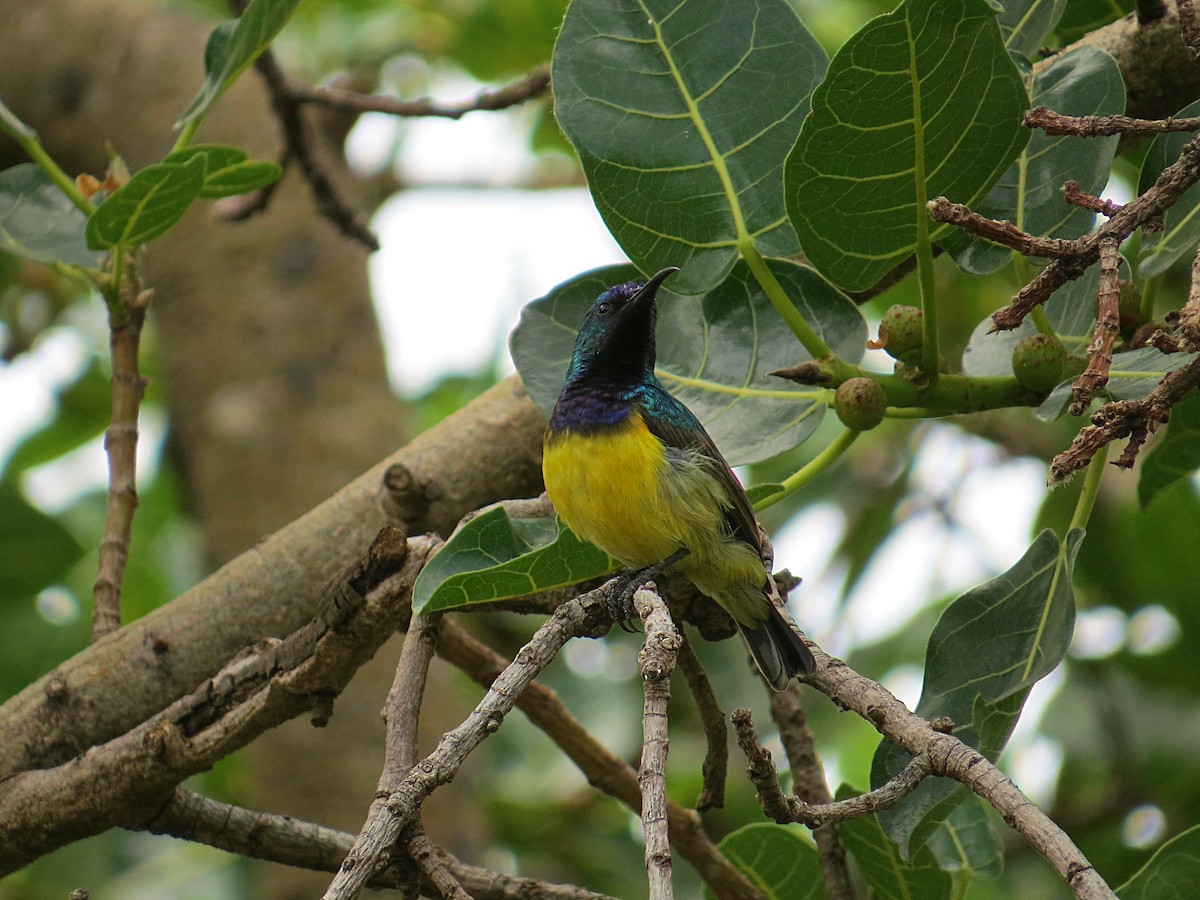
[(620, 600)]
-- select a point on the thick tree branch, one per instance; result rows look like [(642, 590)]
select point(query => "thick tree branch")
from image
[(486, 451), (1108, 324), (127, 780)]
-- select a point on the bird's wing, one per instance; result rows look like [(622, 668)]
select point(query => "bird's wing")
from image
[(675, 425)]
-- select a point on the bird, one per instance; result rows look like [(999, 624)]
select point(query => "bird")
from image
[(630, 468)]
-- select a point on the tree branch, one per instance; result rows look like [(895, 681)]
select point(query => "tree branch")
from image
[(656, 661), (604, 770), (716, 734), (1108, 324), (584, 615), (486, 451)]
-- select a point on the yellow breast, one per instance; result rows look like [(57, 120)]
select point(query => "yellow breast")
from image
[(606, 487)]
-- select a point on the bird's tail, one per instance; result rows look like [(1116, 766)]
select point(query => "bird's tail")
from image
[(777, 650)]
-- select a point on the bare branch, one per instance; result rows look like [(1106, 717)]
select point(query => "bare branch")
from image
[(1108, 323), (785, 810), (293, 842), (1188, 28), (604, 770), (1053, 123), (126, 316), (1000, 232), (948, 756), (528, 87), (716, 756), (1077, 196), (656, 661), (400, 806)]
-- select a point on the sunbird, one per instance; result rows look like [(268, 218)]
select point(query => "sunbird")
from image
[(631, 469)]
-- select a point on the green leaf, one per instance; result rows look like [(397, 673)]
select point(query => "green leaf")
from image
[(776, 860), (1132, 376), (38, 549), (1181, 223), (682, 114), (1083, 16), (1024, 24), (967, 843), (38, 222), (234, 45), (1177, 456), (878, 858), (147, 205), (714, 352), (987, 649), (922, 102), (1083, 82), (1172, 873), (228, 170), (493, 557)]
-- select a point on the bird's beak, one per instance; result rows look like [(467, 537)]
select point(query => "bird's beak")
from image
[(650, 288)]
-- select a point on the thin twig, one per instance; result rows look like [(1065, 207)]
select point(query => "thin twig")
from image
[(528, 87), (716, 734), (294, 842), (400, 806), (1077, 196), (785, 810), (1057, 124), (604, 770), (999, 231), (656, 661), (950, 757), (1108, 323), (126, 316), (808, 783), (1189, 317)]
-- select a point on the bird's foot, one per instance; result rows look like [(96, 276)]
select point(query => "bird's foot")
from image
[(620, 601)]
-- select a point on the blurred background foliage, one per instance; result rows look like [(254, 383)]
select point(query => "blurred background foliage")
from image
[(1109, 747)]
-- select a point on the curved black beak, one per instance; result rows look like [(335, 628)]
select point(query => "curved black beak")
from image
[(650, 289)]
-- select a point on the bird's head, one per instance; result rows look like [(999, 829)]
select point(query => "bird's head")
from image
[(617, 335)]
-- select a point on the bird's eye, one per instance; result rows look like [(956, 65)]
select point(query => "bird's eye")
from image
[(603, 308)]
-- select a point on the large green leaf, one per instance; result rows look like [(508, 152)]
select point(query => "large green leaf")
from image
[(777, 860), (714, 352), (38, 222), (493, 557), (228, 170), (1178, 456), (1024, 24), (234, 45), (1181, 223), (986, 651), (1082, 82), (682, 112), (1083, 16), (147, 205), (967, 843), (920, 102), (1173, 872), (887, 875)]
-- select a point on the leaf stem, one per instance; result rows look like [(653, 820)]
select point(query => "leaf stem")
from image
[(186, 134), (811, 469), (28, 139), (1087, 494), (1149, 289), (813, 342)]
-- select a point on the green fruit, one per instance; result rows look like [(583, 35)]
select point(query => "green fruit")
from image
[(860, 403), (1038, 362), (901, 333)]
